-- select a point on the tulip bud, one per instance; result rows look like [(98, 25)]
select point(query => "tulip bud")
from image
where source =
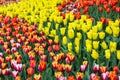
[(37, 77), (91, 76)]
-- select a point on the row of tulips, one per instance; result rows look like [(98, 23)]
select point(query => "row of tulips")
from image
[(84, 6)]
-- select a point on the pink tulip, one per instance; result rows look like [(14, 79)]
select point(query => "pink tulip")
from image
[(13, 49), (91, 76), (104, 76), (18, 45), (44, 57), (12, 41), (62, 78), (14, 73), (96, 68), (83, 68), (1, 54)]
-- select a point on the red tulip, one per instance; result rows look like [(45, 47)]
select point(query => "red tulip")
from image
[(116, 69), (49, 48), (33, 63), (56, 48)]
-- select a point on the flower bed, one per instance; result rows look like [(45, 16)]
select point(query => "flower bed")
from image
[(60, 40)]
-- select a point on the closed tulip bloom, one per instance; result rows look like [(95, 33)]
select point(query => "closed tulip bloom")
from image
[(30, 71), (71, 33), (71, 77), (42, 66), (108, 30), (95, 35), (116, 69), (104, 45), (64, 41), (96, 68), (107, 54), (116, 31), (56, 39), (14, 74), (70, 46), (58, 75), (68, 68), (112, 46), (37, 77), (118, 54), (79, 35), (88, 45), (32, 63), (95, 54), (62, 31), (79, 76), (95, 44), (102, 35)]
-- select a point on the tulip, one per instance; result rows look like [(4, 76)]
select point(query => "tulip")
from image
[(83, 68), (1, 54), (37, 77), (56, 48), (18, 78), (112, 46), (30, 71), (50, 48), (58, 75), (44, 57), (79, 76), (96, 68), (118, 54), (116, 69), (71, 33), (14, 74), (68, 68), (112, 75), (71, 77), (62, 78), (13, 49), (91, 76), (103, 69), (54, 64), (6, 71), (95, 54), (33, 63), (42, 66), (107, 54), (104, 76)]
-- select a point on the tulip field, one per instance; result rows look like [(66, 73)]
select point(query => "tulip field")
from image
[(60, 40)]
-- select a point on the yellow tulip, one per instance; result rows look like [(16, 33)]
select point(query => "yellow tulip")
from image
[(107, 54), (115, 31), (64, 41), (69, 46), (77, 49), (56, 26), (77, 41), (95, 44), (89, 34), (88, 45), (65, 22), (108, 30), (79, 35), (95, 35), (62, 31), (56, 39), (71, 33), (71, 17), (101, 35), (112, 46), (59, 19), (118, 54), (99, 25), (95, 54), (104, 45)]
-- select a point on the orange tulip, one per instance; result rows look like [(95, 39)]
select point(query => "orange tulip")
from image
[(30, 71), (71, 77), (33, 63), (42, 66)]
